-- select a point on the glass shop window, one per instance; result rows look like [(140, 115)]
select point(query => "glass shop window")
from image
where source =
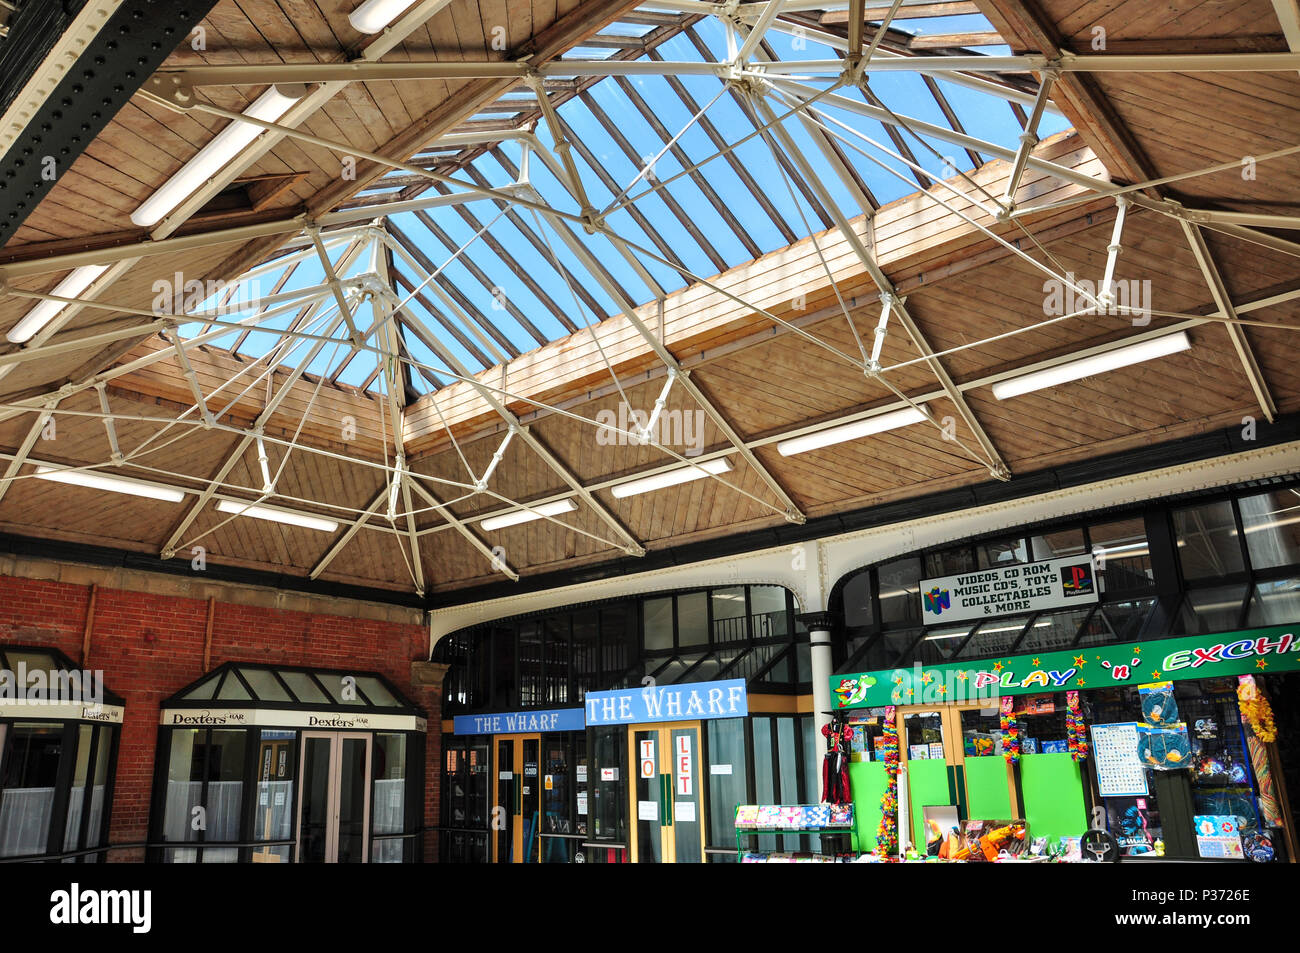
[(1275, 603), (1223, 779), (1122, 555), (29, 783), (1271, 523), (727, 787), (1217, 609), (1058, 544), (994, 637), (277, 763), (771, 619), (922, 736), (1041, 719), (868, 735), (981, 732), (693, 619), (557, 653), (206, 767), (93, 745), (999, 553), (900, 585), (586, 654), (530, 665), (730, 623), (617, 638), (1053, 631), (1208, 544), (1117, 622), (503, 667), (657, 624), (607, 789), (465, 792), (388, 797), (1133, 820), (942, 643), (225, 792), (950, 562), (859, 607)]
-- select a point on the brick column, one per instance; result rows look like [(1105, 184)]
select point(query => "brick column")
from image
[(426, 684)]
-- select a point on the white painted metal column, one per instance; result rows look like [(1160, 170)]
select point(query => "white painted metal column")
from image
[(819, 638)]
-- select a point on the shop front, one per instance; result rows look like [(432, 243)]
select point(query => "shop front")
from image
[(1112, 676), (59, 733), (665, 743), (271, 764), (537, 765), (691, 703)]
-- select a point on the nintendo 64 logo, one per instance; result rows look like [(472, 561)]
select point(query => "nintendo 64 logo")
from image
[(1076, 580)]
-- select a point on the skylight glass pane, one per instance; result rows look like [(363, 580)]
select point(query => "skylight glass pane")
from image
[(232, 689), (301, 684), (264, 684), (374, 689)]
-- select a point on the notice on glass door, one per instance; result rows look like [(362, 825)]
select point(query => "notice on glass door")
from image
[(647, 810), (684, 811)]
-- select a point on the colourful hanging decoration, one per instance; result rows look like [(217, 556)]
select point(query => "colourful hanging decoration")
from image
[(887, 833), (1255, 707), (1076, 730), (1010, 730)]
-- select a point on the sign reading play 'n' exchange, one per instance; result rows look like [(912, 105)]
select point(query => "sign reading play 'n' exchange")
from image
[(1252, 651), (1028, 587)]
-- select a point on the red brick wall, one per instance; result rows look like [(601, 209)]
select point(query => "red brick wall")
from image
[(150, 646)]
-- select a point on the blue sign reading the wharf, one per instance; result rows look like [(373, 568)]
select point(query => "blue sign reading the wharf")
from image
[(519, 722), (702, 700)]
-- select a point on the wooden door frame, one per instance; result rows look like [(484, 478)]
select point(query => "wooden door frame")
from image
[(664, 759), (518, 833)]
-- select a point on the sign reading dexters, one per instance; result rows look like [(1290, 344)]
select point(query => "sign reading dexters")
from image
[(702, 700)]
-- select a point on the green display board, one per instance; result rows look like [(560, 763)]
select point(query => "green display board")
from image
[(927, 785), (1053, 791), (867, 780), (987, 789)]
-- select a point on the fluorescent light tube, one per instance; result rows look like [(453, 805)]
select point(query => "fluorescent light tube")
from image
[(373, 15), (99, 481), (859, 428), (277, 515), (527, 516), (227, 144), (1090, 366), (77, 282), (671, 478)]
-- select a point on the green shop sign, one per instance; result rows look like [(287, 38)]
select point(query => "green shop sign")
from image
[(1260, 651)]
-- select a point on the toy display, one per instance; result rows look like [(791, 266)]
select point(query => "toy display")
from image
[(1165, 748), (1010, 730), (1158, 704), (992, 840), (887, 832), (835, 765), (1076, 730), (1255, 707)]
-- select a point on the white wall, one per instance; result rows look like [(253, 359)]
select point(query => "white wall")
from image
[(811, 569)]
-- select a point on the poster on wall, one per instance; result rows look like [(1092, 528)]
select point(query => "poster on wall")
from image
[(1115, 754), (1135, 824), (1009, 589), (1217, 836)]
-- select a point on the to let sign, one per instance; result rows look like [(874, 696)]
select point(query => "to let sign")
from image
[(1029, 587)]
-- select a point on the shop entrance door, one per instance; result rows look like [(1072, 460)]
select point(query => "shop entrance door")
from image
[(516, 808), (952, 760), (667, 801), (334, 798)]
